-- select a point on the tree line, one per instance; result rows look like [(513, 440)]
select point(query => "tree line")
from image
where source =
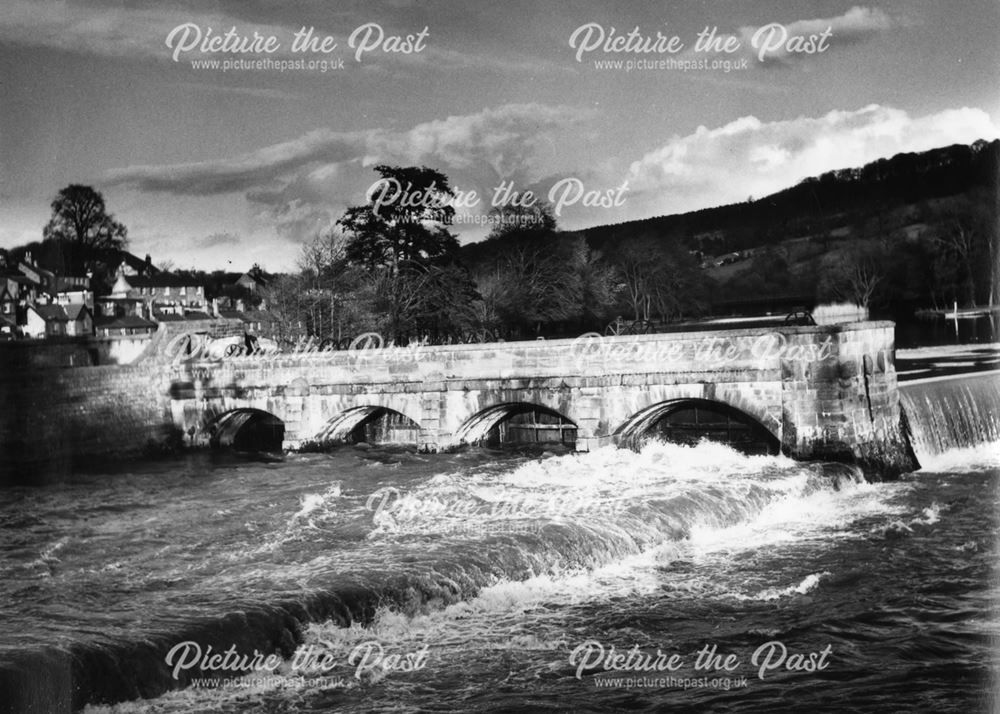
[(399, 270)]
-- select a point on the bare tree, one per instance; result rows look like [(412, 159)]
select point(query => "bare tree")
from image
[(658, 278), (856, 274), (863, 278), (959, 240), (539, 288), (639, 276), (324, 256), (284, 300)]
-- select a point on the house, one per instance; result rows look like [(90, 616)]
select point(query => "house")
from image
[(16, 293), (69, 283), (21, 288), (165, 292), (130, 265), (253, 280), (50, 282), (126, 325), (235, 285), (44, 279), (8, 301), (107, 306), (45, 321), (187, 316), (74, 297), (80, 320)]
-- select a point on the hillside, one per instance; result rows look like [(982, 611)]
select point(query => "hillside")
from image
[(912, 231), (834, 203)]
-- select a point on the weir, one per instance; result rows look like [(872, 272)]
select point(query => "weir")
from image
[(955, 411), (818, 392)]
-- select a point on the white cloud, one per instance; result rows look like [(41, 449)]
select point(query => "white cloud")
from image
[(93, 27), (255, 169), (301, 185), (111, 32), (857, 25), (503, 142), (749, 157)]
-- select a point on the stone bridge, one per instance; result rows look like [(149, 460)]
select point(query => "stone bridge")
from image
[(820, 392)]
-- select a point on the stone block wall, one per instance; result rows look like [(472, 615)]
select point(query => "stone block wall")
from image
[(824, 392), (845, 406), (55, 420)]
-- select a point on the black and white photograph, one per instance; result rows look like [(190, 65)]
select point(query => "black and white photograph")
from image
[(499, 356)]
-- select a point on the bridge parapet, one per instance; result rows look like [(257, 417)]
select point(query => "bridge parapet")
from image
[(822, 392)]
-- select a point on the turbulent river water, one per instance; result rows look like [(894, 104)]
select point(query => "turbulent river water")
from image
[(673, 579)]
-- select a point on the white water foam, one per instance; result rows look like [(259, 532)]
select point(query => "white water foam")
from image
[(808, 584), (312, 502), (509, 614), (773, 500), (981, 457), (598, 488)]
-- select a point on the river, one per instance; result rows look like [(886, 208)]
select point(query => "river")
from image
[(680, 578)]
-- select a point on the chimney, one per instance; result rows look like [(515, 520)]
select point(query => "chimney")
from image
[(215, 307), (239, 305)]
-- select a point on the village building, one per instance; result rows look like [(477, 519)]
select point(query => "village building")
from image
[(45, 321), (163, 293), (8, 301), (130, 265), (45, 280), (252, 281), (125, 325), (80, 320), (23, 289), (107, 306), (75, 297)]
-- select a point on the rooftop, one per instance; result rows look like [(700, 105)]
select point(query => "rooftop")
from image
[(172, 317), (50, 312), (124, 322), (75, 310), (137, 263)]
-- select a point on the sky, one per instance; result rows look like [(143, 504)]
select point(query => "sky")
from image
[(226, 133)]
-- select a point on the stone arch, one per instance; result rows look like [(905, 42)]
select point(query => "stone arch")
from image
[(343, 425), (635, 428), (246, 429), (478, 426)]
